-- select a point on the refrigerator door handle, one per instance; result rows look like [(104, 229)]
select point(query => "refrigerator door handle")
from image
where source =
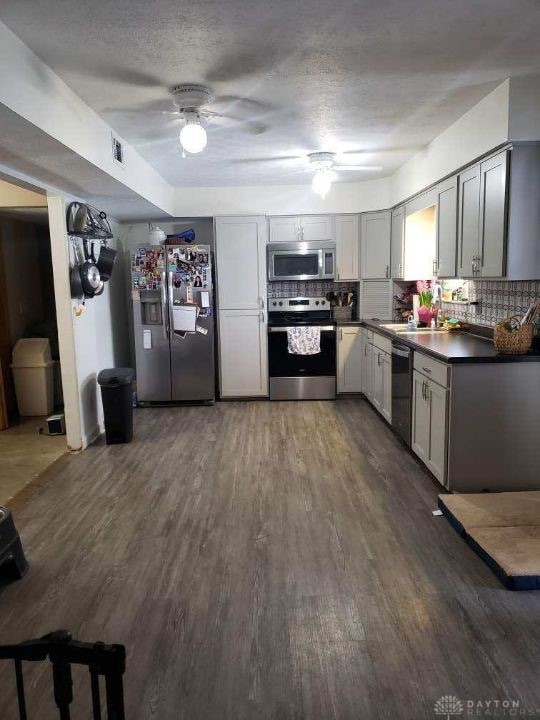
[(170, 306), (164, 306)]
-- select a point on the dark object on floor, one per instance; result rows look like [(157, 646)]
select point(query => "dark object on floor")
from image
[(117, 396), (503, 529), (12, 559), (101, 659)]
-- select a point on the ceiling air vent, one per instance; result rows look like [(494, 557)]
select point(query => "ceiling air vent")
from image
[(117, 151)]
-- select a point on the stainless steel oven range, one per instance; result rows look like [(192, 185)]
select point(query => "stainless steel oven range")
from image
[(295, 376)]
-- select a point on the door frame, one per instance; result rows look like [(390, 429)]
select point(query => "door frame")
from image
[(7, 397)]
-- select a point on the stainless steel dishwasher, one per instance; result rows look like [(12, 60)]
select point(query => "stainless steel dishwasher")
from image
[(402, 369)]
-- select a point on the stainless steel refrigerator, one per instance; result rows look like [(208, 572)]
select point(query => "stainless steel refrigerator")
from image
[(173, 317)]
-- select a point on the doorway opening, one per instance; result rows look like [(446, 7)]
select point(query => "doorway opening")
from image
[(30, 378)]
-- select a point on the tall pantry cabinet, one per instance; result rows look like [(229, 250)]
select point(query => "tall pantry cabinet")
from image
[(242, 322)]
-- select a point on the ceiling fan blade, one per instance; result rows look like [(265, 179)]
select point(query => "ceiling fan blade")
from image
[(251, 161), (252, 126), (236, 66), (235, 101), (366, 168)]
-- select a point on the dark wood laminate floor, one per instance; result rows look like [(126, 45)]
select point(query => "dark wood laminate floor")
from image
[(266, 560)]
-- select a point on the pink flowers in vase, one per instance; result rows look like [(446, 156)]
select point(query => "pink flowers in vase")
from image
[(426, 311)]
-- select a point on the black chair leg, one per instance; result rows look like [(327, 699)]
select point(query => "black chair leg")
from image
[(18, 562)]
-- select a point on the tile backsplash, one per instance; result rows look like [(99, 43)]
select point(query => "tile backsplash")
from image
[(498, 300), (310, 288)]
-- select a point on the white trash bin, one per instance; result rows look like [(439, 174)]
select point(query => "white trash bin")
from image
[(33, 375)]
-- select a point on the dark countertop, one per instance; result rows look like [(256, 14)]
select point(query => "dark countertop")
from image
[(452, 347)]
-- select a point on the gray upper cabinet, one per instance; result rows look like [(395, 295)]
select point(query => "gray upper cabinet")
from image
[(375, 229), (307, 227), (482, 218), (347, 247), (469, 221), (397, 248), (447, 193), (317, 227), (284, 229), (493, 184), (523, 243)]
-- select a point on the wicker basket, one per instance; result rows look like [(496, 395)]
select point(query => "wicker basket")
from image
[(511, 338), (342, 313)]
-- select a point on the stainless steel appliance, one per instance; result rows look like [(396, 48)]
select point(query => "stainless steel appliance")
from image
[(173, 317), (301, 261), (402, 371), (301, 377)]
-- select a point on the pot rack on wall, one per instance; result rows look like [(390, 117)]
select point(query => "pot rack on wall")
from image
[(87, 226)]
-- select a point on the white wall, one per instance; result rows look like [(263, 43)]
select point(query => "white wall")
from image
[(482, 128), (524, 111), (282, 199), (95, 340), (101, 341)]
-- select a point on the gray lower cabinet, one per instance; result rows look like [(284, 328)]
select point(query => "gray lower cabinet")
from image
[(474, 425), (350, 350), (377, 374), (367, 363), (429, 423)]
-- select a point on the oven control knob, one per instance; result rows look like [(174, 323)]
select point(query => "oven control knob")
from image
[(280, 303), (323, 302), (316, 302), (274, 303)]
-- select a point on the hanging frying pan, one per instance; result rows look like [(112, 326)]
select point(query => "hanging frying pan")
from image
[(75, 282), (90, 277), (101, 285)]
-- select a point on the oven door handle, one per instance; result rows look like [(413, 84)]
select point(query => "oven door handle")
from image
[(284, 329)]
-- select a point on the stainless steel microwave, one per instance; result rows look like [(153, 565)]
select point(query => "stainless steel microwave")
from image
[(301, 261)]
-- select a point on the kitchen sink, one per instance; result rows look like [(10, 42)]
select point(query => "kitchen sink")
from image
[(401, 328)]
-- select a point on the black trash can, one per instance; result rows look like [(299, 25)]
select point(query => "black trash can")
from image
[(117, 396)]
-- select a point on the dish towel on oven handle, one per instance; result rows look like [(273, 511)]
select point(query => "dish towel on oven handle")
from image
[(304, 340)]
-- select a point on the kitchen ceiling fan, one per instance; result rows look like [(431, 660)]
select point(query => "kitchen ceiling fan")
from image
[(191, 106), (326, 166)]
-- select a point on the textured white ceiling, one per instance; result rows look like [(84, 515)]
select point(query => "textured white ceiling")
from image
[(382, 78)]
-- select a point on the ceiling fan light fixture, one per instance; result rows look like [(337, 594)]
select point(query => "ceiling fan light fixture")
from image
[(193, 136), (322, 181)]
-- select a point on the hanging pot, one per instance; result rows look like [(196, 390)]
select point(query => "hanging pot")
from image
[(90, 277), (105, 262), (75, 282), (101, 288)]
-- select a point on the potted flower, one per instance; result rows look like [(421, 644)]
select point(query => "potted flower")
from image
[(426, 311)]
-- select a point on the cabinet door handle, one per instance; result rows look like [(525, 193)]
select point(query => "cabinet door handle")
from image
[(425, 369), (341, 333), (261, 317), (387, 271), (423, 389), (400, 269), (435, 267)]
